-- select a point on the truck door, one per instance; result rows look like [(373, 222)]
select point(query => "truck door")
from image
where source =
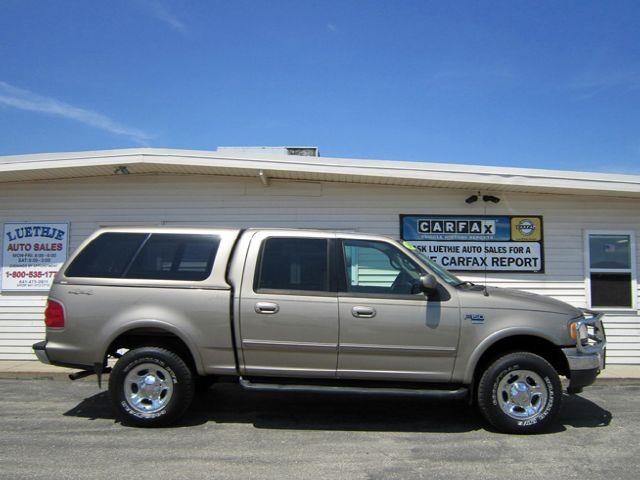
[(388, 328), (289, 306)]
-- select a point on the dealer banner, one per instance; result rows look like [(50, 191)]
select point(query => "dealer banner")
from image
[(32, 253), (478, 242)]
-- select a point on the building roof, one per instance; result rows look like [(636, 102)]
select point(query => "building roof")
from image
[(32, 167)]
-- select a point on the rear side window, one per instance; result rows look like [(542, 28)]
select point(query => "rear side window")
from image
[(160, 257), (293, 264), (175, 257), (107, 256)]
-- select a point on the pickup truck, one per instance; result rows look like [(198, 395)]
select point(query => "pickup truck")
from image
[(311, 311)]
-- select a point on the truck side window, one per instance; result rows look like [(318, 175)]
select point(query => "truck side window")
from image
[(379, 268), (106, 256), (299, 264), (175, 257)]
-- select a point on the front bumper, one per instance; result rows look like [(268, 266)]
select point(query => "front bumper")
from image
[(588, 358)]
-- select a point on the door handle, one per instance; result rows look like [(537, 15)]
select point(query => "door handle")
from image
[(363, 312), (267, 307)]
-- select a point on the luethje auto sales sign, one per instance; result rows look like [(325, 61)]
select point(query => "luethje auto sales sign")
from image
[(478, 242), (32, 253)]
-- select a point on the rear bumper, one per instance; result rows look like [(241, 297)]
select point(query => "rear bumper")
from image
[(40, 349)]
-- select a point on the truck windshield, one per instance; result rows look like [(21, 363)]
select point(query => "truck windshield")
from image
[(441, 272)]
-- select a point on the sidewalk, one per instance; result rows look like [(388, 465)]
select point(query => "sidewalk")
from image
[(33, 369)]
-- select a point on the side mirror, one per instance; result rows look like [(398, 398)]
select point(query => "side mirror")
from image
[(428, 284)]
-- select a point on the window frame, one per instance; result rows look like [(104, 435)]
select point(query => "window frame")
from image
[(632, 270), (331, 269), (341, 272)]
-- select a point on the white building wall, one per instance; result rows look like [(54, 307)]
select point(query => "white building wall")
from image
[(90, 203)]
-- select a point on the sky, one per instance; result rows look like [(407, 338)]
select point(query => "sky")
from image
[(511, 83)]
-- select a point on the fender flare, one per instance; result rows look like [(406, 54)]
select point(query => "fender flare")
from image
[(492, 339), (161, 325)]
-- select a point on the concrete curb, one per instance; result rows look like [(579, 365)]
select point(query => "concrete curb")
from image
[(617, 381)]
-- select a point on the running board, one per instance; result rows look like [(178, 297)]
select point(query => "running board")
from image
[(457, 394)]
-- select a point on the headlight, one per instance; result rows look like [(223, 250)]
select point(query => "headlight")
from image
[(578, 329)]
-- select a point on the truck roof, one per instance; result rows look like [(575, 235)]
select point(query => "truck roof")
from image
[(161, 228), (201, 230)]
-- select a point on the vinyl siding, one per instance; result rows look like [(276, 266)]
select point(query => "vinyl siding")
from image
[(90, 203)]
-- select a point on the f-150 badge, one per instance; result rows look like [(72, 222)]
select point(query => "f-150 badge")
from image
[(475, 317)]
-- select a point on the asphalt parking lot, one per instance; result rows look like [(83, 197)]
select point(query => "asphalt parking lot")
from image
[(59, 429)]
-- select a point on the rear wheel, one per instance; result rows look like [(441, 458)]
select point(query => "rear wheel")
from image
[(151, 386), (520, 393)]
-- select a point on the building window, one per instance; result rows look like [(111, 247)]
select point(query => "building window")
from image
[(611, 275)]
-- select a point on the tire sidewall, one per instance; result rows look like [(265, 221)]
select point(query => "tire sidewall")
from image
[(180, 377), (501, 368)]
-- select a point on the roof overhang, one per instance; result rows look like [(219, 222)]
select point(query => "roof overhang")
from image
[(25, 168)]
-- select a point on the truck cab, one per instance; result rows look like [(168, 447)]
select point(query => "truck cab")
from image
[(308, 310)]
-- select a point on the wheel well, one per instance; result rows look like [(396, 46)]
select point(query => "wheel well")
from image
[(523, 343), (152, 337)]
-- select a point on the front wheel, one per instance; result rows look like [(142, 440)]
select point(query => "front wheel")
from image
[(151, 386), (520, 393)]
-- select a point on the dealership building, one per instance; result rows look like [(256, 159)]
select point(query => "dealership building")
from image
[(569, 235)]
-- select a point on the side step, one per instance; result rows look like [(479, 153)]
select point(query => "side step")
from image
[(456, 394)]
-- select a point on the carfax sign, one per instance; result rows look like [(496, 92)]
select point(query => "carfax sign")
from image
[(478, 242), (32, 253)]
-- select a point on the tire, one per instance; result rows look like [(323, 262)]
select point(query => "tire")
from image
[(151, 386), (520, 393)]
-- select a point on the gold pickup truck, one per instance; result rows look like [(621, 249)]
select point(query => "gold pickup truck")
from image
[(307, 310)]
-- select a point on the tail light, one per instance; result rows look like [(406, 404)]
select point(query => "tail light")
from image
[(54, 315)]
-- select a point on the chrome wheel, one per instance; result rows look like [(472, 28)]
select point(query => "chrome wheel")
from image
[(522, 394), (148, 388)]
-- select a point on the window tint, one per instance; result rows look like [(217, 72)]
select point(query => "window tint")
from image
[(294, 264), (106, 256), (379, 268), (175, 257)]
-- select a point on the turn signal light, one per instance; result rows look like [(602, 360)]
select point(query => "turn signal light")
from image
[(582, 330), (54, 315)]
